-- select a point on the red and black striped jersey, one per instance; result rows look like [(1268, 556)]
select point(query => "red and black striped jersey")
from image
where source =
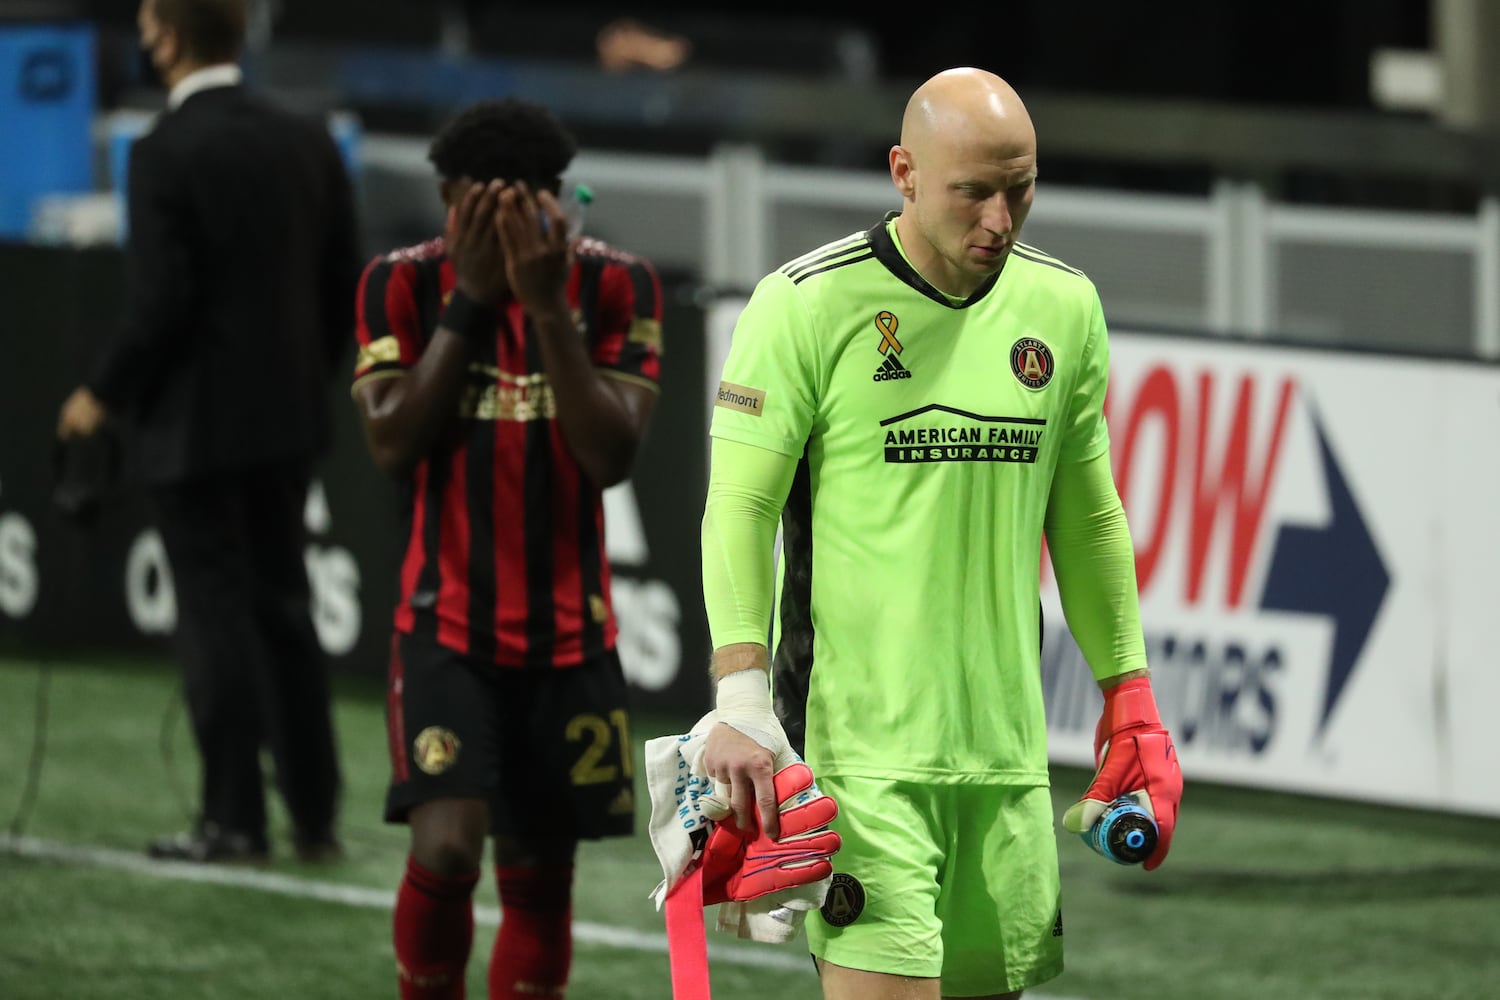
[(504, 533)]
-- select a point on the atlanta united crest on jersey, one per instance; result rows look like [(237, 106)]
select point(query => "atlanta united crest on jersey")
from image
[(928, 430)]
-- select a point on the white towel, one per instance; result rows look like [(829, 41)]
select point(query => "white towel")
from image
[(684, 801), (679, 824)]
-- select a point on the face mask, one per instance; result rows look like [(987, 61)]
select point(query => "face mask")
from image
[(146, 72)]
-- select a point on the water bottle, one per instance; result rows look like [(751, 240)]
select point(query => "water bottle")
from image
[(1125, 834)]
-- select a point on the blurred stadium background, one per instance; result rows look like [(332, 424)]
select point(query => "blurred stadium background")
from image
[(1293, 217)]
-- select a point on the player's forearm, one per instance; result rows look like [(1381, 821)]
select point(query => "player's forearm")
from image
[(1093, 559), (747, 488), (601, 429), (738, 536), (405, 417)]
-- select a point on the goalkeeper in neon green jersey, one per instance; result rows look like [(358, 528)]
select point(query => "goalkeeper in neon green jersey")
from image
[(916, 405)]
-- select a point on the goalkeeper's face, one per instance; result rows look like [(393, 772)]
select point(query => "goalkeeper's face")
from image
[(972, 196)]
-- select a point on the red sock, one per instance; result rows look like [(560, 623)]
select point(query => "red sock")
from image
[(534, 948), (434, 930)]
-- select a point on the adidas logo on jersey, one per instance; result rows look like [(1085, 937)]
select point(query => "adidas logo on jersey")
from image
[(887, 323), (890, 369)]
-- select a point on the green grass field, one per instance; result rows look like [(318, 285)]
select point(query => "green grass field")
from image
[(1265, 895)]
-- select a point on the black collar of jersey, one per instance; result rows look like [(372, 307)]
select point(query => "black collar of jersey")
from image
[(887, 253)]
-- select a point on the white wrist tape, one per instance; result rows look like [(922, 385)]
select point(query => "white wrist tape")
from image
[(743, 701)]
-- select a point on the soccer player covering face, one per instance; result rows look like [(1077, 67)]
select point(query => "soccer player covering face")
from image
[(506, 375), (918, 404)]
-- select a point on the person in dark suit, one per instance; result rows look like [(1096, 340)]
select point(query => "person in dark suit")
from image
[(242, 264)]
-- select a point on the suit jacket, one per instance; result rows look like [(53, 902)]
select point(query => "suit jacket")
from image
[(242, 265)]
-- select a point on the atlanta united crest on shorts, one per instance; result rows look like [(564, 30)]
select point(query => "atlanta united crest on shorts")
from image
[(845, 900), (436, 749)]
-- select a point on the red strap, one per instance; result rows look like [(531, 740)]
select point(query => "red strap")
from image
[(687, 939)]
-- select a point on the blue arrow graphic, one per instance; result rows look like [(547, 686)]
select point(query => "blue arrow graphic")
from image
[(1334, 570)]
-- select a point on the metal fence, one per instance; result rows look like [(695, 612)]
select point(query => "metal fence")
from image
[(1231, 263)]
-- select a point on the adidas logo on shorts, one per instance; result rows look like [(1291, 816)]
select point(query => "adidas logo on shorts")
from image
[(623, 805)]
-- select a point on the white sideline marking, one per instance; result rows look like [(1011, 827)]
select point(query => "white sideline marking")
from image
[(379, 899), (359, 896)]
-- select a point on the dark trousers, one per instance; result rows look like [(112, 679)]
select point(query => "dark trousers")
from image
[(253, 671)]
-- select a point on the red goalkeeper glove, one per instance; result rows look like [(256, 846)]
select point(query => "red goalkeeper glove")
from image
[(746, 864), (739, 865), (1135, 757)]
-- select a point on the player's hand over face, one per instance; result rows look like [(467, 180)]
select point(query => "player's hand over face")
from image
[(473, 246), (745, 773), (534, 237)]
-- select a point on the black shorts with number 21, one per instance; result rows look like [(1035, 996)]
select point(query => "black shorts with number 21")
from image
[(549, 748)]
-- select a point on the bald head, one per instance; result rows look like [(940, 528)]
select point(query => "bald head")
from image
[(967, 107), (965, 168)]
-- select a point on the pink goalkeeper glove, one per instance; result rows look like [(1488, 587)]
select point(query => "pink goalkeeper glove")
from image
[(1135, 757), (743, 865)]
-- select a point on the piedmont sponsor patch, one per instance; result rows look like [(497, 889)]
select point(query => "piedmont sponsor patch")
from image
[(741, 398)]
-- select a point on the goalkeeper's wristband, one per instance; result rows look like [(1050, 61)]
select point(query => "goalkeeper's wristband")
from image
[(1128, 705), (743, 702), (472, 320)]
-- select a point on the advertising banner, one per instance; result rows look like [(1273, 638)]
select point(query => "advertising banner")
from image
[(1315, 548), (47, 104)]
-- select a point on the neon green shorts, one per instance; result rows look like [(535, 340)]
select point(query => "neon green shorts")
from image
[(951, 881)]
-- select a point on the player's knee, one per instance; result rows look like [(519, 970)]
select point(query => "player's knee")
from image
[(447, 837), (447, 856)]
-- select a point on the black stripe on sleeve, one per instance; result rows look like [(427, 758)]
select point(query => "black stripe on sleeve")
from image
[(1037, 257), (590, 270), (643, 283), (802, 266), (429, 296), (372, 312), (803, 274)]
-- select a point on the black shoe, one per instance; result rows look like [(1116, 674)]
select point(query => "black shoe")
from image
[(319, 848), (210, 845)]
